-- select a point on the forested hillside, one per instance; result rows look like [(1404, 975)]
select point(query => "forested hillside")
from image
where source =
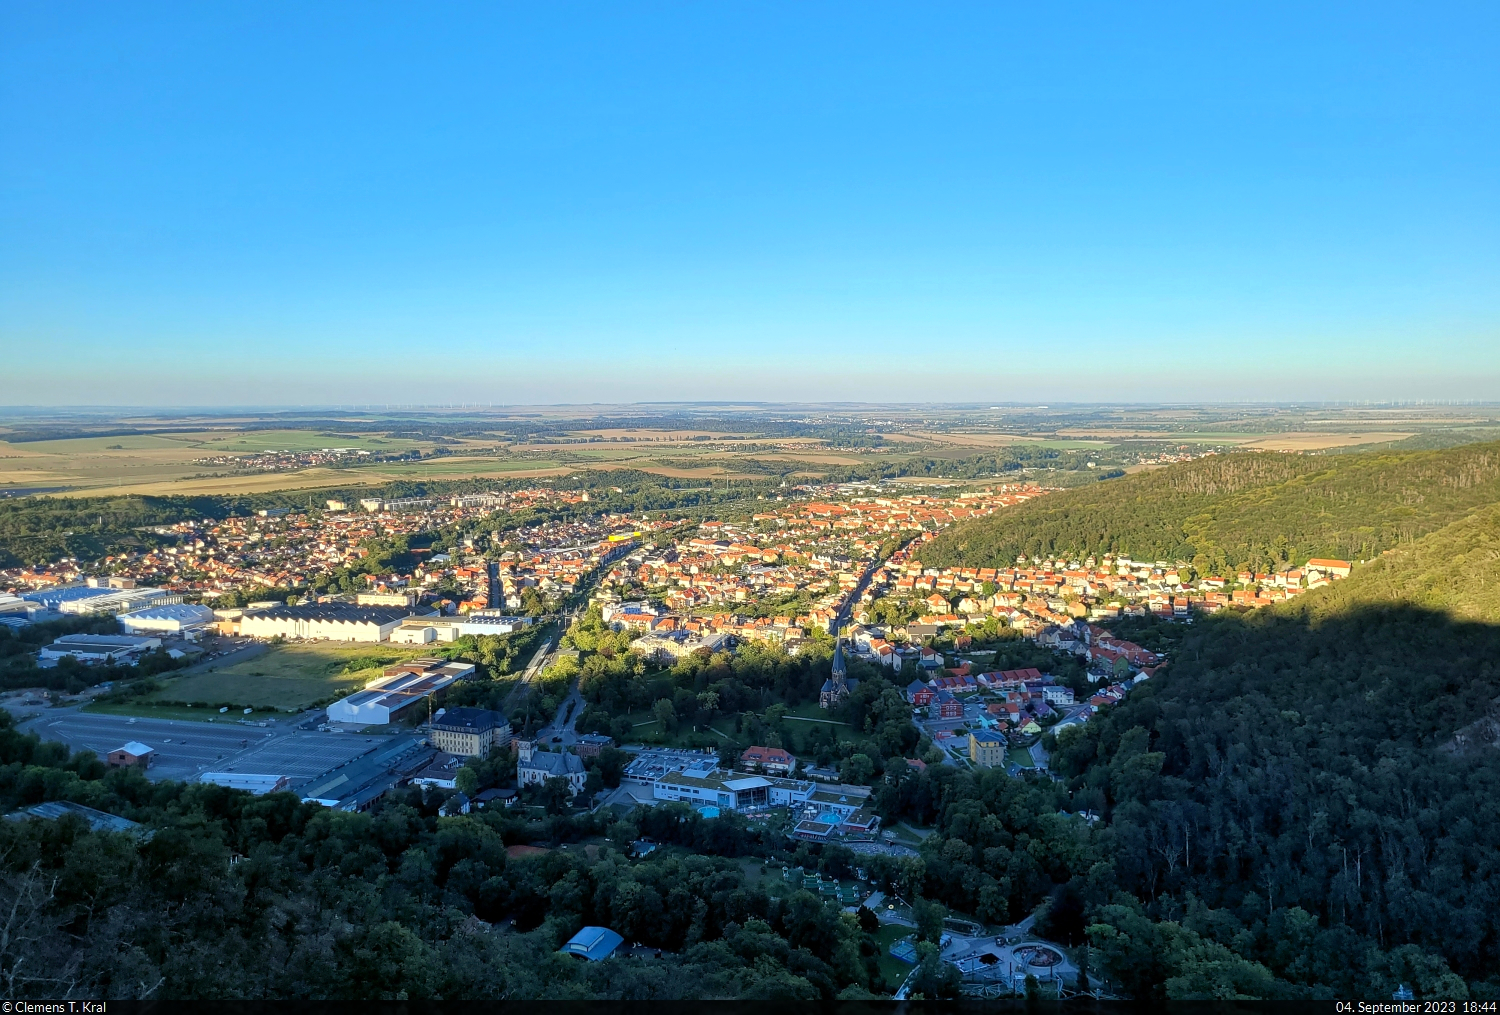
[(1455, 569), (1281, 788), (1249, 510), (39, 530)]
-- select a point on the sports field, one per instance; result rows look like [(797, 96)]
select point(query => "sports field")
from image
[(287, 677)]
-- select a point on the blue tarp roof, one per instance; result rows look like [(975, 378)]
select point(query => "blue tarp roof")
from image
[(592, 943)]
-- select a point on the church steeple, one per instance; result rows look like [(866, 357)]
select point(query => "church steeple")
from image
[(838, 685)]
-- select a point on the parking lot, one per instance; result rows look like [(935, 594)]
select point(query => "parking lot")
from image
[(302, 755), (186, 749)]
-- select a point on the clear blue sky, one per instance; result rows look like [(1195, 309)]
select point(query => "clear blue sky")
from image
[(291, 202)]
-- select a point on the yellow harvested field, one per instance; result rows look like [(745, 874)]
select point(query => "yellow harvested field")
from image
[(166, 463), (802, 456), (637, 434), (311, 479), (1305, 440), (1319, 441), (707, 472), (965, 440)]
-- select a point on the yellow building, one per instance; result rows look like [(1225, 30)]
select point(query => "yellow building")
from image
[(986, 749), (469, 732)]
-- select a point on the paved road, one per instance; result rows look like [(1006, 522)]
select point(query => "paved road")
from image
[(564, 725), (842, 617)]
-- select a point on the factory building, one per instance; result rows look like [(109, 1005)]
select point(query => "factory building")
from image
[(324, 622), (257, 784), (401, 689), (182, 619), (97, 648), (84, 600), (423, 630)]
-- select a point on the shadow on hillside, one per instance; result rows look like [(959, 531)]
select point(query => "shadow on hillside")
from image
[(1340, 763), (1393, 672)]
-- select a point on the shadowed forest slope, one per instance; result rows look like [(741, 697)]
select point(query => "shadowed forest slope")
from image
[(1247, 510), (1281, 787)]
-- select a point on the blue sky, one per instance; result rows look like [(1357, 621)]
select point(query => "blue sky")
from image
[(274, 203)]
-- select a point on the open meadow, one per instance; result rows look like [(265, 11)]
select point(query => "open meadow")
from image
[(288, 677)]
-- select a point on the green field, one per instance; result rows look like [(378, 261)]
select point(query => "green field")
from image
[(456, 465), (1020, 756), (288, 677), (146, 710), (296, 440), (893, 969)]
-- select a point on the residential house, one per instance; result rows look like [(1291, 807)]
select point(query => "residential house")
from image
[(589, 745), (768, 759), (469, 732), (945, 706), (986, 749)]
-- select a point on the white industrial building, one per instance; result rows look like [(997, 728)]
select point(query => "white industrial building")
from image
[(422, 630), (184, 619), (98, 648), (324, 622), (405, 686), (257, 784), (706, 783), (83, 600)]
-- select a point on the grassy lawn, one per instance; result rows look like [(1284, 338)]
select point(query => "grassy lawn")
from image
[(892, 968), (1020, 756), (797, 724), (770, 881), (905, 835), (645, 729), (810, 710), (289, 677), (146, 710)]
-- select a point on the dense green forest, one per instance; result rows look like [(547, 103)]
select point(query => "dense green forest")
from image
[(1284, 789), (1244, 510)]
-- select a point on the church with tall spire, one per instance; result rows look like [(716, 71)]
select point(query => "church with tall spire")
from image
[(838, 685)]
